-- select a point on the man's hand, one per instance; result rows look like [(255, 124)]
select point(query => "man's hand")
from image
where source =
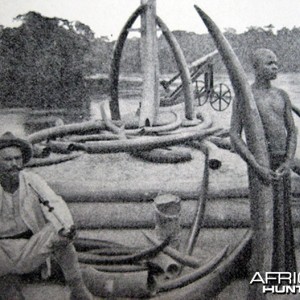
[(64, 238), (70, 233), (266, 174), (284, 169)]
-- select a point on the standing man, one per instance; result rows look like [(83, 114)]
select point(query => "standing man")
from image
[(274, 107), (35, 224)]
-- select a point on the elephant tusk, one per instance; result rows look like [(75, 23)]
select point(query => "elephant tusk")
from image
[(196, 275), (183, 259), (115, 64), (42, 162), (183, 68), (168, 127), (208, 284), (201, 204), (63, 130), (147, 142), (262, 196), (122, 259)]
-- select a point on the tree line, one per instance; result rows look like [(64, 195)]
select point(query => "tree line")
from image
[(285, 43), (45, 61), (42, 62)]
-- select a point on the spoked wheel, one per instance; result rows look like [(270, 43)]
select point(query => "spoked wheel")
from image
[(221, 97), (200, 93)]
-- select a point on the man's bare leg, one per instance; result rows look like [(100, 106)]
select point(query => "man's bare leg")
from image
[(68, 261)]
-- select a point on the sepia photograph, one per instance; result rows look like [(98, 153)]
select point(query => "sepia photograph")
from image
[(149, 149)]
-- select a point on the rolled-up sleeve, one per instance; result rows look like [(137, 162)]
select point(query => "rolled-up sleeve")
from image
[(60, 216)]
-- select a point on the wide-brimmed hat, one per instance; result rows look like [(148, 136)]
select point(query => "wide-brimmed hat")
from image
[(9, 140)]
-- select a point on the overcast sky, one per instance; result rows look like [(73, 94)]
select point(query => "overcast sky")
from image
[(107, 17)]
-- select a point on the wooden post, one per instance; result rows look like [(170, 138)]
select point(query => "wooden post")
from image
[(150, 66)]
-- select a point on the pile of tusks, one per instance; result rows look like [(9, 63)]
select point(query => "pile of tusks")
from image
[(113, 271), (153, 143), (120, 271)]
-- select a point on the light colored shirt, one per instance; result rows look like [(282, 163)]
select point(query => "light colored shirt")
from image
[(24, 207), (11, 222)]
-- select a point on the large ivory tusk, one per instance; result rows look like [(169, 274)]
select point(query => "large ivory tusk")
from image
[(48, 161), (201, 204), (262, 196), (184, 259), (88, 244), (120, 131), (146, 143), (296, 110), (63, 130), (103, 136), (117, 268), (131, 285), (168, 127), (164, 155), (122, 259), (115, 64), (211, 284), (196, 275), (183, 68)]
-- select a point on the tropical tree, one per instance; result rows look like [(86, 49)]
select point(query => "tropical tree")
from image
[(44, 62)]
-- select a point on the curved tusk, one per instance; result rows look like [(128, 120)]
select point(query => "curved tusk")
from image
[(87, 244), (147, 142), (186, 260), (262, 195), (194, 288), (115, 64), (196, 275), (183, 69), (122, 259), (207, 122), (201, 205), (223, 143), (103, 136), (242, 91), (164, 155), (168, 127), (117, 269), (296, 110), (42, 162), (63, 130)]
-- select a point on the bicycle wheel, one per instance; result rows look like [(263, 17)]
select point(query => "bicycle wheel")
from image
[(221, 97)]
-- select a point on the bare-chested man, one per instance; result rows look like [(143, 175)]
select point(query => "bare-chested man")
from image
[(274, 107)]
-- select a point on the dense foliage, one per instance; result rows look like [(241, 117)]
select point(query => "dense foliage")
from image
[(42, 62), (285, 43)]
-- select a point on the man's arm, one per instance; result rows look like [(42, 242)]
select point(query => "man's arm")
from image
[(291, 143), (241, 147), (60, 216)]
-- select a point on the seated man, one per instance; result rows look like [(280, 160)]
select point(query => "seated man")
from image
[(35, 224)]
